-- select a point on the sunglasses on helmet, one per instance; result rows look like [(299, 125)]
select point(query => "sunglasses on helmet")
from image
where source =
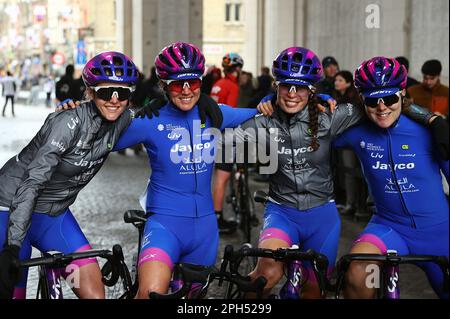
[(106, 93), (177, 86), (387, 100)]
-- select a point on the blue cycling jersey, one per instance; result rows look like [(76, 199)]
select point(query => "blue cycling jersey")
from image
[(402, 170), (181, 156)]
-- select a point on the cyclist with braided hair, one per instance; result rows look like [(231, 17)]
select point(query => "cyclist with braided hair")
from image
[(301, 209), (402, 167)]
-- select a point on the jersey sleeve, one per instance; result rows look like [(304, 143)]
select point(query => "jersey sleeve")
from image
[(232, 117), (137, 132), (345, 116), (341, 141), (57, 136)]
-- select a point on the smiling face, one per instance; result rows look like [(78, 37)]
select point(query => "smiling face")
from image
[(292, 98), (110, 109), (185, 96), (384, 116)]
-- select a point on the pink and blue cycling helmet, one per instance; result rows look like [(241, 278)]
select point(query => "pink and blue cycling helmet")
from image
[(110, 67), (180, 61), (380, 76), (298, 66)]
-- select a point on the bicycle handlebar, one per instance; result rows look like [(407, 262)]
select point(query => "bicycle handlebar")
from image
[(191, 274), (392, 260), (114, 264), (319, 261)]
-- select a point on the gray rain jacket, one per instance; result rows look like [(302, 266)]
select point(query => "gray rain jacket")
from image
[(47, 175)]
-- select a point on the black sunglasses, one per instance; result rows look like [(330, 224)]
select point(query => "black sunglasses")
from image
[(107, 92), (387, 100)]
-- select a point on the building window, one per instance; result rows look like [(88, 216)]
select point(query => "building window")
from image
[(233, 11), (228, 12)]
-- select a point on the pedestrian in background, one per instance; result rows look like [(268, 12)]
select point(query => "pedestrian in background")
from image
[(9, 91), (65, 86), (404, 61), (48, 89), (351, 180), (246, 89), (431, 93), (330, 69)]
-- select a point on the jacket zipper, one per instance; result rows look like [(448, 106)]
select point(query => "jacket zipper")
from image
[(392, 167)]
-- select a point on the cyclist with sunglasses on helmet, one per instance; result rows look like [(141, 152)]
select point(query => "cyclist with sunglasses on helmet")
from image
[(402, 167), (301, 208), (40, 183)]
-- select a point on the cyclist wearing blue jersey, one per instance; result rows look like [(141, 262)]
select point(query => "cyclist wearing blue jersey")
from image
[(402, 168), (301, 209), (181, 224)]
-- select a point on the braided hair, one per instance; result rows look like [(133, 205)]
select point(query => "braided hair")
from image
[(313, 128)]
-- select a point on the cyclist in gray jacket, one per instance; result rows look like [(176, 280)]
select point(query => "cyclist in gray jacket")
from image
[(301, 209)]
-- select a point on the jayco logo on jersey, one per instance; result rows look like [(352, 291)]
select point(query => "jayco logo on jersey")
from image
[(188, 148), (296, 151), (383, 166), (362, 144), (160, 127), (89, 164)]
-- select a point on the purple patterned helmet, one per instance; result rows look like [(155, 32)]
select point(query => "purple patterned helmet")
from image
[(380, 76), (110, 67), (297, 65), (180, 61)]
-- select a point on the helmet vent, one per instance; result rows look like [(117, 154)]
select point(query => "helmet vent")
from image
[(117, 61), (308, 61), (284, 66), (108, 71), (164, 60), (305, 69), (129, 72), (119, 72), (105, 62), (297, 57), (174, 56), (315, 71), (96, 71)]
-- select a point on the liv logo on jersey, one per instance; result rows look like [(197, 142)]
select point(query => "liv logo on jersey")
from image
[(383, 166), (362, 144), (174, 136), (376, 155)]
